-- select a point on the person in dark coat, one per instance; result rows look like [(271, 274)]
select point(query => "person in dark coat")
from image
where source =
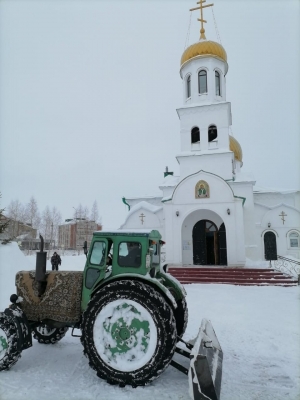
[(55, 261)]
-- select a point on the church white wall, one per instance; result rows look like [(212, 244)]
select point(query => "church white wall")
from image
[(297, 200), (168, 185), (167, 191), (148, 217), (281, 229), (273, 198), (218, 163), (252, 243)]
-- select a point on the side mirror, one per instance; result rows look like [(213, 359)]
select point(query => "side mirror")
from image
[(85, 249), (151, 250)]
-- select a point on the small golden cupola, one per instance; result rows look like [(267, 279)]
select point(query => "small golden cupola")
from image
[(204, 48), (235, 147)]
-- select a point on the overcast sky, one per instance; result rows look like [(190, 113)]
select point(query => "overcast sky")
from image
[(89, 91)]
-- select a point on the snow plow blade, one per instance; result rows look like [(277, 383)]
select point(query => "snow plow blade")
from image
[(205, 373), (205, 369)]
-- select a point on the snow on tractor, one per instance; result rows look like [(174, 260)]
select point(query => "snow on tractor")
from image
[(130, 311)]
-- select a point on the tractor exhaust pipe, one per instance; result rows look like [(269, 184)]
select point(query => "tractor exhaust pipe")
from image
[(40, 268)]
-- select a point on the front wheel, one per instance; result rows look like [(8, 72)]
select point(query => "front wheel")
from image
[(47, 335), (128, 333), (9, 346)]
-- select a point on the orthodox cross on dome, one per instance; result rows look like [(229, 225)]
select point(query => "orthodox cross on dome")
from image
[(201, 6), (282, 215), (142, 216)]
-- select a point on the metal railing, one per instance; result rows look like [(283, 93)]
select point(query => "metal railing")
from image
[(287, 266)]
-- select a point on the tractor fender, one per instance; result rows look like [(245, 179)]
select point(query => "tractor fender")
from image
[(155, 283), (172, 282)]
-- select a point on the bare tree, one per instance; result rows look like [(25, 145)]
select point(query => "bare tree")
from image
[(32, 214), (78, 212), (85, 212), (3, 225), (94, 216), (49, 225), (45, 227), (56, 221), (16, 212)]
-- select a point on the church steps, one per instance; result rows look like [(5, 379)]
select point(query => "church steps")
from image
[(246, 283), (225, 268), (233, 276)]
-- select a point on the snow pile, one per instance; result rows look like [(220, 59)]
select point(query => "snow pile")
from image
[(12, 260)]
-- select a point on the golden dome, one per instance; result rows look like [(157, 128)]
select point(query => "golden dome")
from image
[(204, 48), (236, 148)]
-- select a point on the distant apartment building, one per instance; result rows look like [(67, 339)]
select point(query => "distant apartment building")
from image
[(74, 232)]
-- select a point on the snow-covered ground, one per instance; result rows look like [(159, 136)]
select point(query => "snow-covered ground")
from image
[(258, 329)]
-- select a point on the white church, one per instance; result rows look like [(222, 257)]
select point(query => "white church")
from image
[(212, 213)]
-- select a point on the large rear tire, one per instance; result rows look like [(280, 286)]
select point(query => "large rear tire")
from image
[(9, 347), (47, 335), (128, 333)]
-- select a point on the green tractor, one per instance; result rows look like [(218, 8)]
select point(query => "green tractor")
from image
[(131, 312)]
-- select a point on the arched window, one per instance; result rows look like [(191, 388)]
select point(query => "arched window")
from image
[(195, 135), (212, 133), (188, 86), (294, 239), (218, 83), (202, 81)]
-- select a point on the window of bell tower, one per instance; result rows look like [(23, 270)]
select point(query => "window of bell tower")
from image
[(217, 83), (195, 135), (202, 81), (212, 133), (188, 87)]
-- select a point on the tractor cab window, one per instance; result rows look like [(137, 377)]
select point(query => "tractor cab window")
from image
[(130, 254), (110, 252), (155, 253), (98, 253)]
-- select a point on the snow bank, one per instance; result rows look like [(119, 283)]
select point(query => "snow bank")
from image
[(12, 260)]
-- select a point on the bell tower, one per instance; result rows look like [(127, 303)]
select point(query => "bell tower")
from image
[(205, 116)]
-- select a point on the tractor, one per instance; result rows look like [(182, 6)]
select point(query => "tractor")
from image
[(131, 312)]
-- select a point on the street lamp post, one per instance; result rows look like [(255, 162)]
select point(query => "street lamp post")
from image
[(76, 228)]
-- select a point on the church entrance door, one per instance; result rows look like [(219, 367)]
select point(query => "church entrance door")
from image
[(209, 244), (270, 246)]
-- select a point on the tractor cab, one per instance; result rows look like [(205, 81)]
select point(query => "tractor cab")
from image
[(121, 253)]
